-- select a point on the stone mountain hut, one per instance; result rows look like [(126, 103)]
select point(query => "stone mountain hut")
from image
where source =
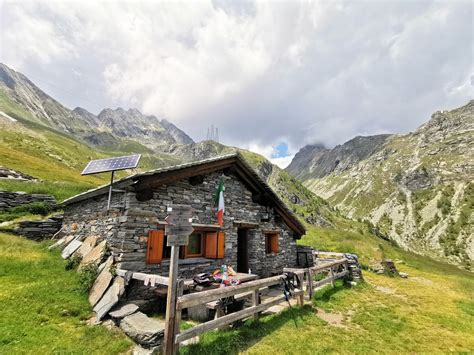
[(259, 232)]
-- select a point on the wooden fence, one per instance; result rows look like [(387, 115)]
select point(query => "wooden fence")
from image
[(336, 269)]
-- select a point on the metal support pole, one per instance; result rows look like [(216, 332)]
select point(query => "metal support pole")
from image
[(110, 190)]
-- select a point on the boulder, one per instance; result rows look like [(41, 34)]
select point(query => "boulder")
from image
[(70, 249), (67, 240), (101, 283), (124, 311), (94, 256), (87, 245), (143, 330), (58, 243), (110, 298)]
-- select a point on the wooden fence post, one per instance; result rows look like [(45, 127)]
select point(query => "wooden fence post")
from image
[(169, 346), (332, 277), (255, 301), (177, 319), (309, 287)]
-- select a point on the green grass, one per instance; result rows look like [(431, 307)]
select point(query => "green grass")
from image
[(43, 310), (431, 311)]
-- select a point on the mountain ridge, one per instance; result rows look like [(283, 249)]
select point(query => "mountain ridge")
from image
[(416, 188), (110, 126)]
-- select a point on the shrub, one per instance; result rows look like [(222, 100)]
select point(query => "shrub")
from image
[(73, 262), (88, 274), (39, 208)]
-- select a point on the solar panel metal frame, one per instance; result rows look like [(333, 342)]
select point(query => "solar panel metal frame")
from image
[(111, 164)]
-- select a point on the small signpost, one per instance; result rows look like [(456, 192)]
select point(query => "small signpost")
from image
[(178, 229)]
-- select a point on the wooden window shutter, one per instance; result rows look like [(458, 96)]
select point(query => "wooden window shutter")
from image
[(155, 246), (211, 245), (215, 245), (221, 245), (271, 243), (274, 247)]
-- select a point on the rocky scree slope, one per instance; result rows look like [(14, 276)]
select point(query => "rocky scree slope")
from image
[(416, 188)]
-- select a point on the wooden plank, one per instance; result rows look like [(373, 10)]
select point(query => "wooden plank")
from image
[(246, 224), (177, 319), (160, 280), (230, 318), (329, 279), (169, 345), (309, 288), (240, 296), (255, 302), (331, 272), (326, 266), (322, 282), (195, 299), (166, 177)]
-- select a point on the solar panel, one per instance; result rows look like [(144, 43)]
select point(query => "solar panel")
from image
[(111, 164)]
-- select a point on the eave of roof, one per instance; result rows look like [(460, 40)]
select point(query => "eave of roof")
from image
[(235, 158)]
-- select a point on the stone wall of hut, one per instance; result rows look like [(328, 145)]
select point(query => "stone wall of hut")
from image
[(127, 229)]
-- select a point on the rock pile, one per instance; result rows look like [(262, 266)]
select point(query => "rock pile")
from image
[(7, 173), (107, 295), (13, 199), (355, 271), (39, 230), (387, 266)]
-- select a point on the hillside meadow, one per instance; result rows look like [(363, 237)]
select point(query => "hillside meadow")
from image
[(45, 311)]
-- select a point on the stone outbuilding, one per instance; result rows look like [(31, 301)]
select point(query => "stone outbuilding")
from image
[(259, 232)]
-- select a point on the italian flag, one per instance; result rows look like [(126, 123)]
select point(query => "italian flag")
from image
[(220, 202)]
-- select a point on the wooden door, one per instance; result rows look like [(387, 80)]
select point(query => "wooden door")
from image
[(242, 250)]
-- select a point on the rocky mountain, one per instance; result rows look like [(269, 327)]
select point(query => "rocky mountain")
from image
[(318, 161), (417, 188), (61, 141), (110, 128)]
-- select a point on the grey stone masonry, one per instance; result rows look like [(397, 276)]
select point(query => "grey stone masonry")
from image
[(39, 230), (13, 199), (126, 229)]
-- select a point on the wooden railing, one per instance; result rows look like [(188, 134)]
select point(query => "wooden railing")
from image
[(335, 269), (202, 298)]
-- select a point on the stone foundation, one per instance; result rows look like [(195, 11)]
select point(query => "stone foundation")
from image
[(39, 230)]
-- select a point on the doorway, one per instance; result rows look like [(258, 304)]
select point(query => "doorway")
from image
[(242, 250)]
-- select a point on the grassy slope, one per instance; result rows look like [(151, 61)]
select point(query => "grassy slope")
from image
[(431, 311), (56, 158), (43, 310)]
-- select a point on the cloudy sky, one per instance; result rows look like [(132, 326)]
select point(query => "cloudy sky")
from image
[(273, 76)]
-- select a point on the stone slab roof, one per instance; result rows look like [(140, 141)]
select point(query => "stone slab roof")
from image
[(166, 175)]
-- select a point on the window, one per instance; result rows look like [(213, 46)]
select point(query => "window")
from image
[(195, 245), (210, 245), (271, 242)]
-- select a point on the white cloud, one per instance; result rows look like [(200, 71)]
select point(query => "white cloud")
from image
[(264, 72), (282, 162)]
